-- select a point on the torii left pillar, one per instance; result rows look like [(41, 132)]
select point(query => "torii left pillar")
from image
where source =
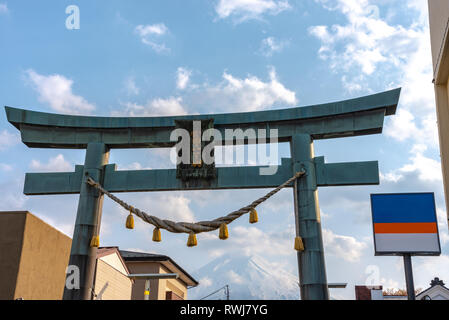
[(87, 225)]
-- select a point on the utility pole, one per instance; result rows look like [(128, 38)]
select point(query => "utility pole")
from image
[(225, 288)]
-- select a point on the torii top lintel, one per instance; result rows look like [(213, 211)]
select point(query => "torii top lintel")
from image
[(347, 118)]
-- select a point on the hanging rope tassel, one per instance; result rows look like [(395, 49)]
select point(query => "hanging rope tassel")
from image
[(95, 242), (130, 219), (223, 234), (192, 242), (299, 245), (253, 218), (157, 235)]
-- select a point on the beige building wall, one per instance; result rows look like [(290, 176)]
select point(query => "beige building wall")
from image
[(139, 284), (12, 226), (33, 258), (439, 26), (438, 17), (158, 288), (110, 282), (173, 285)]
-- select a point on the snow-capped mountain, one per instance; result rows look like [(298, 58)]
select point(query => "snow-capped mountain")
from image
[(249, 278)]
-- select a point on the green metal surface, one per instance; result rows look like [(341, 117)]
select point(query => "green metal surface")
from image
[(353, 117), (87, 223), (311, 263), (337, 174)]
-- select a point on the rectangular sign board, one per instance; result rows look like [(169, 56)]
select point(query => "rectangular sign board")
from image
[(405, 224)]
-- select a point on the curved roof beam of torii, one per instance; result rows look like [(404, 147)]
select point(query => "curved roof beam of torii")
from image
[(360, 116)]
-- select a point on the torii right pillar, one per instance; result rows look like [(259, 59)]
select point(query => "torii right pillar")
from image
[(312, 267)]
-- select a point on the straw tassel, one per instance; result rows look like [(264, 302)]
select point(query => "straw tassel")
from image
[(223, 235), (192, 242), (130, 219), (95, 242), (299, 245), (157, 235), (253, 218)]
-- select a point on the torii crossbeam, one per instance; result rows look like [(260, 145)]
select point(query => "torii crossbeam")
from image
[(298, 126)]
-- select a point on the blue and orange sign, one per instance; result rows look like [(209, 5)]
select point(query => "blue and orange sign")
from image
[(405, 223)]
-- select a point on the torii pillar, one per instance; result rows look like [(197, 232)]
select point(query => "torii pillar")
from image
[(87, 223), (312, 275)]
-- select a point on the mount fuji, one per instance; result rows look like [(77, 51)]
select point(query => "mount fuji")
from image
[(249, 278)]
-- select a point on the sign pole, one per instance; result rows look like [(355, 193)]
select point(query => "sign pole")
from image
[(409, 276)]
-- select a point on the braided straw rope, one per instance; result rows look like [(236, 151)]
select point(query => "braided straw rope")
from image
[(185, 227)]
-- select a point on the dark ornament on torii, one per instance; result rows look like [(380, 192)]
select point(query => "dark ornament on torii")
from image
[(298, 126)]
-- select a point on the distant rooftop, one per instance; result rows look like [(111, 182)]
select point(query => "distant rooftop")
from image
[(165, 260), (134, 255)]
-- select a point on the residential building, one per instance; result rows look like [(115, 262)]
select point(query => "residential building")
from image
[(111, 276), (436, 291), (376, 293), (439, 26), (161, 289), (368, 293), (33, 258)]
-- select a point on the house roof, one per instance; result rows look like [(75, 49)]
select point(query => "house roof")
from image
[(106, 251), (434, 283), (166, 261)]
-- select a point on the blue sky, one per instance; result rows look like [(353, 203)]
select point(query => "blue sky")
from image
[(142, 58)]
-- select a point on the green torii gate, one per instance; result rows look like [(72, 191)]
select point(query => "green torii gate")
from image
[(298, 126)]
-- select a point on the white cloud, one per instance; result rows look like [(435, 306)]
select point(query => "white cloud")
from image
[(55, 164), (134, 166), (353, 85), (428, 169), (182, 78), (168, 206), (56, 90), (151, 34), (5, 167), (248, 94), (8, 139), (12, 194), (155, 29), (4, 8), (156, 107), (12, 201), (402, 126), (431, 267), (232, 94), (251, 240), (366, 41), (270, 45), (206, 282), (243, 10), (131, 87), (425, 168), (348, 248), (368, 48)]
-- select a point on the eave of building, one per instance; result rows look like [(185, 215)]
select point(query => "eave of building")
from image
[(441, 71), (105, 251), (423, 293), (168, 263)]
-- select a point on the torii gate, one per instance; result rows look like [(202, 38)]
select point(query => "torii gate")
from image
[(299, 126)]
